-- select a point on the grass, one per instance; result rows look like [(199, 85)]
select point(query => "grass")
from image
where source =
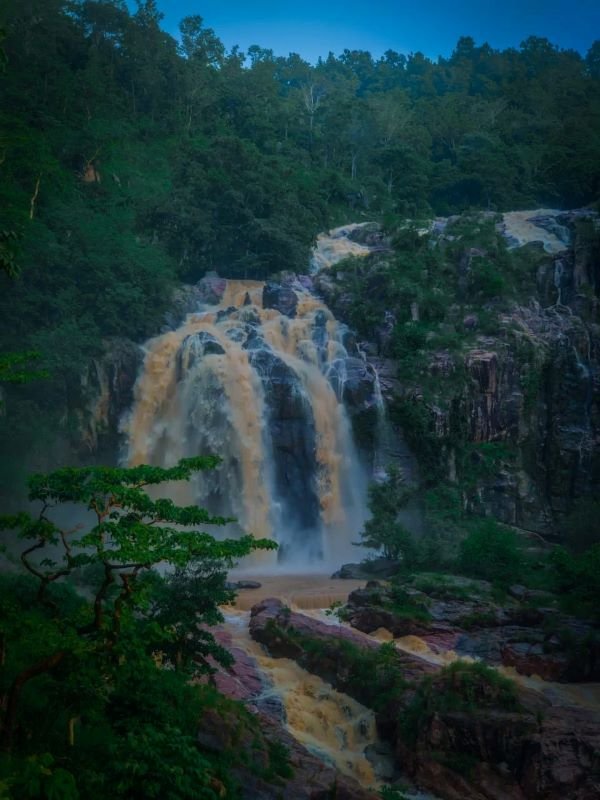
[(445, 587)]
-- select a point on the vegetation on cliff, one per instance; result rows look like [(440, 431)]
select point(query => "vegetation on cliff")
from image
[(480, 401)]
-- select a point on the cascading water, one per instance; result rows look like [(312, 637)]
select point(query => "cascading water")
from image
[(264, 390)]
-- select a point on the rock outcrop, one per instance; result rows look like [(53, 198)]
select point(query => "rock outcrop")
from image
[(107, 392), (309, 778), (524, 750), (462, 616), (531, 384), (281, 298)]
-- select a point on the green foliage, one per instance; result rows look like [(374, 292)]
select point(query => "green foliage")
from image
[(403, 605), (416, 420), (9, 241), (581, 528), (384, 531), (338, 610), (36, 777), (578, 579), (279, 762), (492, 552), (481, 460), (391, 793), (372, 676), (15, 368), (97, 681), (461, 686)]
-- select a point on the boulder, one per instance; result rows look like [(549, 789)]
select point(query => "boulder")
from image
[(531, 659), (247, 585), (281, 298), (359, 384), (211, 288), (372, 568), (194, 348)]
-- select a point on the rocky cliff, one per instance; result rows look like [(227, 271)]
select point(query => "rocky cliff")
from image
[(504, 331)]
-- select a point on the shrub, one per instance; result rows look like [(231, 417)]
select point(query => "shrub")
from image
[(578, 579), (404, 605), (461, 686), (581, 528), (491, 551)]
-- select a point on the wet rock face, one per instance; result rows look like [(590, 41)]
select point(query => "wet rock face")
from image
[(533, 385), (187, 299), (281, 298), (354, 381), (108, 387), (359, 385), (542, 395), (194, 348), (294, 447), (552, 759), (370, 235), (491, 413), (544, 404), (211, 288)]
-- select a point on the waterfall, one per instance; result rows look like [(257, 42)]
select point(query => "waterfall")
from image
[(263, 388), (335, 245)]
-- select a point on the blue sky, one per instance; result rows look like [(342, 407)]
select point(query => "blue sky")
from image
[(314, 27)]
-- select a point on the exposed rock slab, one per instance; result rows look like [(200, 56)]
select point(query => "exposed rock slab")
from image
[(534, 753), (312, 779)]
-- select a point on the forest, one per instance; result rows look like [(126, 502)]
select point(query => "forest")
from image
[(132, 162)]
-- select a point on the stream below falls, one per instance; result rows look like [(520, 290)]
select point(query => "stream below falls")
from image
[(330, 724)]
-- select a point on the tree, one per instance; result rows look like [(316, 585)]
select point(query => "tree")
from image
[(128, 617), (204, 54), (9, 241), (491, 551), (580, 527), (592, 60), (3, 57), (14, 368), (384, 531)]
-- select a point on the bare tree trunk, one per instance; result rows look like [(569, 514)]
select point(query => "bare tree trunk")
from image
[(12, 698), (34, 197)]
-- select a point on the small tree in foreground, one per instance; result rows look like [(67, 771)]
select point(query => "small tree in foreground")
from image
[(384, 531), (94, 668), (491, 551)]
